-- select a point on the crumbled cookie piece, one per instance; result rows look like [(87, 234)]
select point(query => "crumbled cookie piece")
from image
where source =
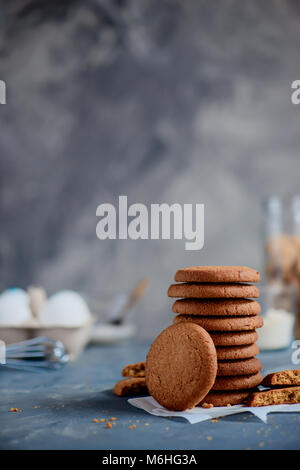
[(134, 370), (275, 396), (283, 377), (131, 387)]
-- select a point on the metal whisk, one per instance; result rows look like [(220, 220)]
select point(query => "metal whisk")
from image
[(36, 354)]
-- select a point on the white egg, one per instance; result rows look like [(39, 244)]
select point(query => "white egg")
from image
[(65, 308), (14, 307)]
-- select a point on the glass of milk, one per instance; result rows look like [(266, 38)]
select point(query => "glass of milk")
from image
[(278, 309)]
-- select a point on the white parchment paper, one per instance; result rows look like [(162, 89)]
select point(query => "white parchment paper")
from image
[(198, 414)]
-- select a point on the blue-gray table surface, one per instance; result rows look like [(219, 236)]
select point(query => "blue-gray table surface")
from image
[(58, 409)]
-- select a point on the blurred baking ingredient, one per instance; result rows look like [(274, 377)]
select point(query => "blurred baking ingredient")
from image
[(136, 293), (282, 245), (283, 254), (115, 317), (65, 308), (14, 307), (37, 299), (64, 317), (103, 333), (277, 331), (273, 229), (279, 312)]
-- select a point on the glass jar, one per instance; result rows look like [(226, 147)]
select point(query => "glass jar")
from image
[(278, 309), (282, 245)]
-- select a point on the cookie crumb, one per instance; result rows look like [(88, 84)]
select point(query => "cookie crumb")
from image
[(207, 405), (209, 438), (228, 405), (132, 426), (214, 421)]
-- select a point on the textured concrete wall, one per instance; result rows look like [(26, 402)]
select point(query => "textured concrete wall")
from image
[(163, 101)]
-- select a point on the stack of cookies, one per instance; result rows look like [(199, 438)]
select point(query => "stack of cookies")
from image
[(220, 300)]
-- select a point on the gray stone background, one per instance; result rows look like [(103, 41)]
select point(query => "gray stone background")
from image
[(163, 101)]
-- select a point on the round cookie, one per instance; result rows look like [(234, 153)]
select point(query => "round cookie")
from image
[(217, 274), (181, 366), (217, 290), (236, 352), (233, 338), (215, 307), (248, 366), (238, 382), (223, 324), (229, 397)]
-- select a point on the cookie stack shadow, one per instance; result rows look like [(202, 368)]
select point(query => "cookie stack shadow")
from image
[(220, 300)]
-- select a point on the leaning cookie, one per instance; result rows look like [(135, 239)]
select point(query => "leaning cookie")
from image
[(217, 274), (215, 307), (134, 370), (181, 366), (283, 377), (243, 323), (134, 386), (216, 290), (275, 396)]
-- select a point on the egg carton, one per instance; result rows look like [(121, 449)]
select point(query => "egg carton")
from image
[(74, 337)]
